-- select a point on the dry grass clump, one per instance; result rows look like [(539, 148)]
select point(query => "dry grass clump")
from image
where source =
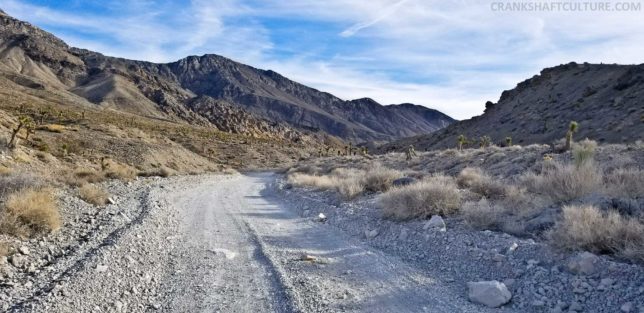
[(82, 177), (587, 228), (380, 178), (54, 128), (158, 171), (625, 183), (564, 182), (5, 171), (29, 212), (306, 180), (15, 182), (93, 194), (4, 249), (583, 152), (480, 183), (484, 214), (120, 171), (433, 195)]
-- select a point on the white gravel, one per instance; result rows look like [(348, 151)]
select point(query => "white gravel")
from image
[(242, 244)]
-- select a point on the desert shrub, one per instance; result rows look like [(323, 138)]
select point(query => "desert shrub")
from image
[(158, 171), (564, 182), (583, 152), (379, 178), (481, 183), (29, 212), (120, 171), (93, 194), (587, 228), (625, 183), (81, 177), (484, 214), (306, 180), (15, 182), (350, 187), (5, 171), (433, 195)]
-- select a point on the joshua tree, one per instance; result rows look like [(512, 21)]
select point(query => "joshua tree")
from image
[(23, 121), (485, 141), (571, 130), (461, 140), (30, 127), (508, 141)]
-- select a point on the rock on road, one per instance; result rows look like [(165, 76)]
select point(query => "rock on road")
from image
[(230, 244)]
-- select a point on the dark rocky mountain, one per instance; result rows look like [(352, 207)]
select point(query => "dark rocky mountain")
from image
[(606, 100), (184, 89)]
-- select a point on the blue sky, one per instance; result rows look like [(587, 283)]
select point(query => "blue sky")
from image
[(449, 55)]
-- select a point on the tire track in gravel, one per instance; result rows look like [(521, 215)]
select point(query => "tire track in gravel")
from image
[(82, 259)]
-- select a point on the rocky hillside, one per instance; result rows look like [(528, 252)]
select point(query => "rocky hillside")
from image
[(606, 101), (36, 59)]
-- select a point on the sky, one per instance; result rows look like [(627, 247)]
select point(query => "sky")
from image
[(450, 55)]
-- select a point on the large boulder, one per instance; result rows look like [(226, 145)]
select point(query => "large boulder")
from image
[(489, 293)]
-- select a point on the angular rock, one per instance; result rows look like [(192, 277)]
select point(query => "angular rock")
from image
[(489, 293), (17, 260), (583, 263), (371, 233), (322, 218), (435, 223), (24, 250)]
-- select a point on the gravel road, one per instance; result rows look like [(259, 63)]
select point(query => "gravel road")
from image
[(231, 244)]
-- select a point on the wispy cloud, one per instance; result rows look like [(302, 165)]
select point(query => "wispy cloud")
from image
[(450, 55)]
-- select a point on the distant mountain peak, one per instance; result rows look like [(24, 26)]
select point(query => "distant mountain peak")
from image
[(168, 90)]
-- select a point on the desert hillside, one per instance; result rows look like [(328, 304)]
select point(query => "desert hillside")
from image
[(37, 59), (605, 100)]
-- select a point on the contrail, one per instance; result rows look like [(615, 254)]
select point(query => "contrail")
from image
[(384, 14)]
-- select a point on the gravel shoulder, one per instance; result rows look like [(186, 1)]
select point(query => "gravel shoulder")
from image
[(243, 243)]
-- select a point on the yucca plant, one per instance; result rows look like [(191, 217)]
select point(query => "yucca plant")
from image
[(508, 141), (461, 140), (572, 128)]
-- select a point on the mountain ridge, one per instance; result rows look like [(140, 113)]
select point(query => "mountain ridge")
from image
[(163, 90)]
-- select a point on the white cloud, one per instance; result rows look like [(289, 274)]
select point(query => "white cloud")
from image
[(450, 55)]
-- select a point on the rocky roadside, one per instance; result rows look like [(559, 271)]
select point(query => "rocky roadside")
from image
[(40, 275), (538, 278)]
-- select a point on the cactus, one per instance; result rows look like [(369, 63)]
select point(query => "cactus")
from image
[(572, 128), (461, 140), (508, 141)]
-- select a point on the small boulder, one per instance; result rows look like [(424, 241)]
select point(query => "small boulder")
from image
[(24, 250), (321, 218), (17, 260), (403, 181), (101, 268), (371, 233), (583, 263), (110, 200), (626, 307), (435, 223), (489, 293)]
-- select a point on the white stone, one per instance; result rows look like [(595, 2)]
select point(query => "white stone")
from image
[(489, 293), (436, 223), (24, 250)]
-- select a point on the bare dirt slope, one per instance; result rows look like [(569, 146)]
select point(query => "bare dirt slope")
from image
[(227, 244)]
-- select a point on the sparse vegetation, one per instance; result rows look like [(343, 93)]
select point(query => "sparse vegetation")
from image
[(562, 182), (480, 183), (93, 194), (29, 212), (437, 194), (572, 128), (587, 228)]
